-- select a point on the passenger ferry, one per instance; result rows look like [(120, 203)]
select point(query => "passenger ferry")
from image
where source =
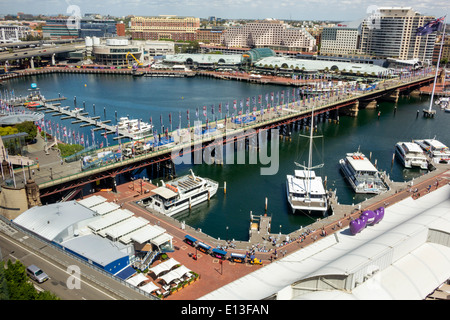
[(411, 155), (437, 151), (362, 174), (181, 194)]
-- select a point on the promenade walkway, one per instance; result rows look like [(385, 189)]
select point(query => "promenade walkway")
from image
[(214, 275)]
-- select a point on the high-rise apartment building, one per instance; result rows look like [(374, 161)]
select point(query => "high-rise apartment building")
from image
[(339, 41), (273, 34), (391, 33), (165, 27)]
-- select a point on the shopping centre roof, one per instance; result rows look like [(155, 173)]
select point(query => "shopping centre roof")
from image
[(318, 65), (404, 256), (233, 59)]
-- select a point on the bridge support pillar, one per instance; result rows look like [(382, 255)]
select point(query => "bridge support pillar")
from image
[(32, 63), (392, 96), (369, 105), (352, 110), (53, 60)]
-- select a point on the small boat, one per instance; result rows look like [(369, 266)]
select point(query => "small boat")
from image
[(77, 110), (435, 149), (362, 174), (181, 194), (133, 126), (411, 155)]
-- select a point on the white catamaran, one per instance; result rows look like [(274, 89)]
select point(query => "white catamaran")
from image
[(362, 174), (411, 155), (305, 190), (181, 194)]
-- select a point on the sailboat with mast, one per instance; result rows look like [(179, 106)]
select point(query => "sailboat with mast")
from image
[(305, 190)]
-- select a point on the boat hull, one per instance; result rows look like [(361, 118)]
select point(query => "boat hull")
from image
[(409, 164), (358, 188), (186, 205), (309, 207)]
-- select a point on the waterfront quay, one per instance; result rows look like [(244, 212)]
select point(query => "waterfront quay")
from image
[(263, 244), (280, 118)]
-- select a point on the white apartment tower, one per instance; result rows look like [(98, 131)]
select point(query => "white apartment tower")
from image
[(339, 41), (392, 34), (273, 34)]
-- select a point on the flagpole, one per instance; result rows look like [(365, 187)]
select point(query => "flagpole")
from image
[(437, 68)]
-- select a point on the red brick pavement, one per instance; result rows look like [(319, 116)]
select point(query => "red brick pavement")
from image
[(214, 275)]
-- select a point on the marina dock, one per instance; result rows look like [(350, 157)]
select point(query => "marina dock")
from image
[(83, 118)]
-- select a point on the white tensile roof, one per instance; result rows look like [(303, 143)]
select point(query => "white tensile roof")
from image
[(137, 279), (146, 234), (105, 208), (92, 201), (149, 287), (164, 266), (163, 238), (110, 219), (129, 225), (404, 257)]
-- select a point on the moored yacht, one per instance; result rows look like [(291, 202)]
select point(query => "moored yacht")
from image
[(305, 191), (134, 126), (181, 194), (411, 155), (437, 151), (362, 174)]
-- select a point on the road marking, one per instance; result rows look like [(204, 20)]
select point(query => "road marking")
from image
[(46, 260)]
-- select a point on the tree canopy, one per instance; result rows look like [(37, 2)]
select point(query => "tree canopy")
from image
[(15, 285)]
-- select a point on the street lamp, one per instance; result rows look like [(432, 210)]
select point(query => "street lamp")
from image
[(227, 232)]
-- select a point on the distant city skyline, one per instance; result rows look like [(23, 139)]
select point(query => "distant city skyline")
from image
[(332, 10)]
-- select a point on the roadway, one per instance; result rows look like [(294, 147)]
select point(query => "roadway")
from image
[(93, 285), (39, 51)]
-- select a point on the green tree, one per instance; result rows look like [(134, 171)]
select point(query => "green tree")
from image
[(28, 127), (15, 285)]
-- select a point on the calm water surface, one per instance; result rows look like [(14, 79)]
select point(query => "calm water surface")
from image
[(246, 188)]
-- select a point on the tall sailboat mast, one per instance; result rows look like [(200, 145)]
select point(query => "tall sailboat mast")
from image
[(437, 68)]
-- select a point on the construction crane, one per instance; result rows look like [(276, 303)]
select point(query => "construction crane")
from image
[(137, 61)]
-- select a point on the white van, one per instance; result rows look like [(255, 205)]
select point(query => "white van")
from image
[(37, 274)]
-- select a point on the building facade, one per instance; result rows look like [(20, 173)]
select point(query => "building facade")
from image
[(272, 34), (12, 33), (392, 34), (339, 41), (210, 35), (445, 54), (116, 52), (165, 27), (88, 27)]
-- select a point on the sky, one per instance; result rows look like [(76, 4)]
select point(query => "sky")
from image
[(333, 10)]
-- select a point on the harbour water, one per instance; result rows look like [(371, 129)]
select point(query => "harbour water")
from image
[(227, 215)]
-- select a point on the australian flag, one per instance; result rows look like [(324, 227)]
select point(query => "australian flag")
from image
[(430, 27)]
